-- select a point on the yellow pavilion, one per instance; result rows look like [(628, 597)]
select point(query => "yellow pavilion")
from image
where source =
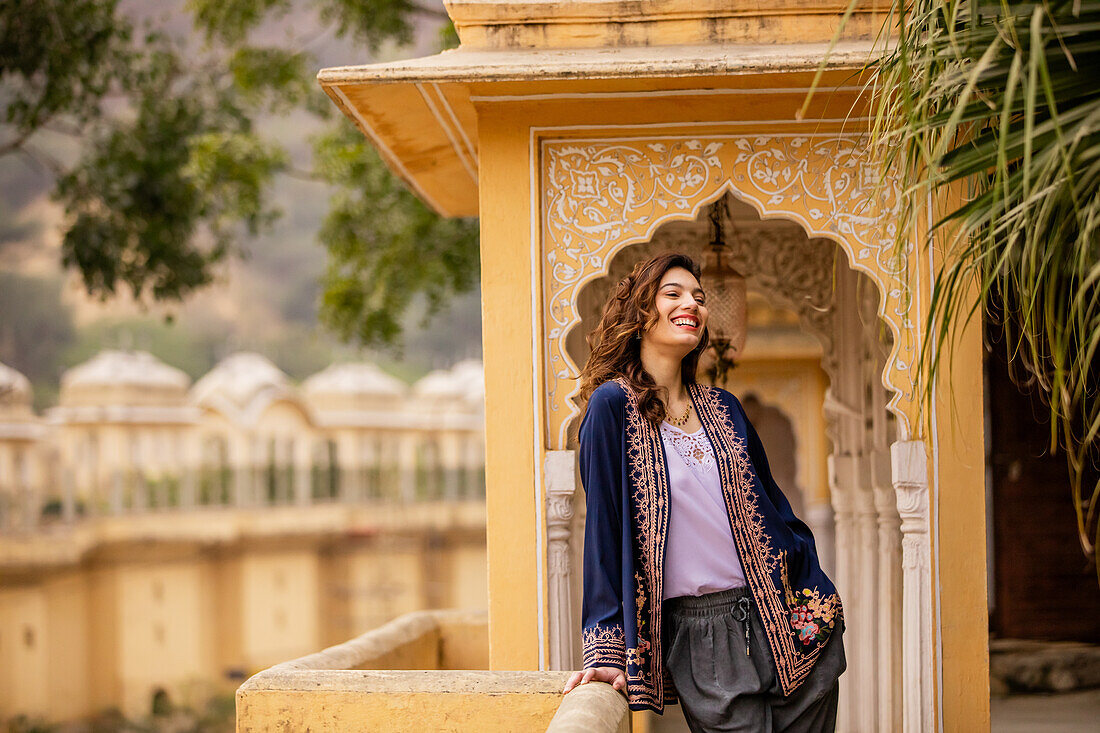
[(585, 135)]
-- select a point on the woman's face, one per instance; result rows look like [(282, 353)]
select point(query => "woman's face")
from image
[(681, 312)]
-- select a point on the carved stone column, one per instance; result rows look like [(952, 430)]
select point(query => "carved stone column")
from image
[(257, 485), (863, 632), (888, 603), (840, 495), (451, 456), (32, 505), (118, 487), (910, 479), (818, 516), (280, 460), (187, 463), (139, 490), (302, 453), (68, 495), (242, 471), (561, 485)]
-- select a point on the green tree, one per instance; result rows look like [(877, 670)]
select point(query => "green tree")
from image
[(173, 171), (1001, 97), (379, 264), (35, 330)]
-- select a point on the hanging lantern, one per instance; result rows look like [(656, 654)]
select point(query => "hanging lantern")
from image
[(726, 296)]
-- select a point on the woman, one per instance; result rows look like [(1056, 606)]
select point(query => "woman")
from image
[(700, 584)]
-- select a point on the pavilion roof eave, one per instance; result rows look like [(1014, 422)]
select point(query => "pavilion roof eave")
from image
[(482, 65), (420, 116)]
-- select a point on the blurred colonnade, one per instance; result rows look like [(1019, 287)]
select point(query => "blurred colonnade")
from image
[(131, 434)]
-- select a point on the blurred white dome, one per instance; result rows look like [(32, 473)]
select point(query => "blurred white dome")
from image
[(354, 386), (471, 373), (114, 377), (15, 389), (358, 378), (439, 383), (462, 383), (239, 379)]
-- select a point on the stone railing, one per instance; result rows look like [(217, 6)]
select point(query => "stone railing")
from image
[(422, 640), (31, 509), (423, 671), (594, 707), (66, 544)]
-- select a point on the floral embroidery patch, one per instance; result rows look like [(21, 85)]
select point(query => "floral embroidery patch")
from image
[(812, 615)]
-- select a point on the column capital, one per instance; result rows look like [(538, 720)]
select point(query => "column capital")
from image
[(909, 475), (561, 485)]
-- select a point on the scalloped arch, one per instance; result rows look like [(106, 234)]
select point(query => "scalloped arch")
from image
[(601, 195)]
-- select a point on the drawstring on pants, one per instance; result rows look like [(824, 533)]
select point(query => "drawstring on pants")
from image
[(741, 610)]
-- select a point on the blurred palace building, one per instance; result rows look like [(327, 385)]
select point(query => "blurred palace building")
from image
[(163, 538)]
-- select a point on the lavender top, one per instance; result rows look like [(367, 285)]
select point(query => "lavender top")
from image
[(700, 556)]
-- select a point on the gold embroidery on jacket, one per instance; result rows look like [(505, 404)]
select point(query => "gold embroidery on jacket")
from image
[(604, 646), (648, 683), (645, 670), (758, 558), (812, 614)]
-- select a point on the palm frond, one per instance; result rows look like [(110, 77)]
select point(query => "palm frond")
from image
[(1002, 98)]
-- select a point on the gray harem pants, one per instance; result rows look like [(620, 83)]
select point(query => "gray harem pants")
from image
[(723, 689)]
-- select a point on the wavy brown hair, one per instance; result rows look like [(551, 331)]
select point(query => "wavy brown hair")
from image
[(616, 342)]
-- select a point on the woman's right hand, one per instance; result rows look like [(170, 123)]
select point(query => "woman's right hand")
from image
[(611, 675)]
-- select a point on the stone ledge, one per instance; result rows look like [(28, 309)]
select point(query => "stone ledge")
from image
[(343, 688), (399, 701), (1018, 666), (594, 707), (410, 681)]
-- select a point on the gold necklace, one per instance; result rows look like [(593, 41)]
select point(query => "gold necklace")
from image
[(680, 421)]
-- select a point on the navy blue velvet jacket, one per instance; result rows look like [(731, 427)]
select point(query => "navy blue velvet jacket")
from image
[(625, 479)]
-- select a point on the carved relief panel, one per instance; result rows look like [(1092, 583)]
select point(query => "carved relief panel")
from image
[(598, 196)]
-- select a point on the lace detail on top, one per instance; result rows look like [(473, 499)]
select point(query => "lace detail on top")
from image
[(694, 448)]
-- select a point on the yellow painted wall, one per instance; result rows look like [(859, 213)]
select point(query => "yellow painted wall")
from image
[(103, 667), (469, 584), (507, 343), (960, 556), (69, 625), (280, 605), (43, 648), (402, 712), (225, 608), (381, 584), (140, 617), (160, 618), (23, 652)]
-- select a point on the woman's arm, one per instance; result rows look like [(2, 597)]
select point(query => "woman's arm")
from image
[(601, 471)]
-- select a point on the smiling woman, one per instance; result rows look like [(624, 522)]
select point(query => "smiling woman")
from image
[(701, 586)]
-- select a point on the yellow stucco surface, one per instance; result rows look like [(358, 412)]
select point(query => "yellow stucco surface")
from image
[(401, 677), (401, 711), (508, 340), (960, 553), (218, 594), (604, 23)]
